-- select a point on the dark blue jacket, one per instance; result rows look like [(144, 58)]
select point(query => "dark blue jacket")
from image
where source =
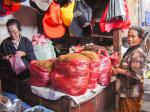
[(7, 47)]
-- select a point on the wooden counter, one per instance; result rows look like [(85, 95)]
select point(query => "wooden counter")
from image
[(103, 102)]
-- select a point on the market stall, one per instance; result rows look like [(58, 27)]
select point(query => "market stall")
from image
[(99, 100)]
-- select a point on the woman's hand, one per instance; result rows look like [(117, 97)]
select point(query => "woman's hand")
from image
[(116, 71), (20, 53), (8, 56)]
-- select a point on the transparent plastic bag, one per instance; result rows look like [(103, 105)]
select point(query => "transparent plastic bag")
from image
[(17, 64)]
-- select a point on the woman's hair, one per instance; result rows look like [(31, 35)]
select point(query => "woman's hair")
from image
[(139, 30), (12, 22)]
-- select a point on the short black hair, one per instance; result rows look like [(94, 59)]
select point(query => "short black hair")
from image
[(13, 21), (139, 30)]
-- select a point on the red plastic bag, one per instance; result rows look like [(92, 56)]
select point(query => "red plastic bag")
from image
[(114, 24), (39, 76), (70, 77), (115, 59), (17, 64), (94, 73), (105, 68)]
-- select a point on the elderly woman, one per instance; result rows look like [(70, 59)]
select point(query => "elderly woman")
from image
[(16, 44), (129, 83)]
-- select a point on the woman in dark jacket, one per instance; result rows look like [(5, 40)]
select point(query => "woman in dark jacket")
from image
[(16, 44)]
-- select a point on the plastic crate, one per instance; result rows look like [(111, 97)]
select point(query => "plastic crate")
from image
[(43, 109), (13, 96)]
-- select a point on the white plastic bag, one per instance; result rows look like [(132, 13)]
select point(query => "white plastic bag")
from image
[(44, 52)]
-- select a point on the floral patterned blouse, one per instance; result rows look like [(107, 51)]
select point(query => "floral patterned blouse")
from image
[(134, 62)]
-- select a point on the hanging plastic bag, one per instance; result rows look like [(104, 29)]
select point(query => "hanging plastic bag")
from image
[(17, 64), (43, 48), (105, 68)]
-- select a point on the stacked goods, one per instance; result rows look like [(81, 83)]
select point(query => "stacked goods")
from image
[(44, 64), (40, 72), (92, 47), (72, 56), (93, 66), (70, 74), (91, 55)]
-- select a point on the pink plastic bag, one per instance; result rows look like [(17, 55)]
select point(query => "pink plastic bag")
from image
[(17, 64), (70, 77), (105, 68), (115, 59)]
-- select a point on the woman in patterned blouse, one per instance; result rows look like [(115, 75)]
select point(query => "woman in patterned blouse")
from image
[(129, 83)]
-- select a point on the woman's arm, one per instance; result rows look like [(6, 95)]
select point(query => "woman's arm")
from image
[(137, 62), (30, 55)]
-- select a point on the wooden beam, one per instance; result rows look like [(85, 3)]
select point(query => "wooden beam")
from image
[(117, 41)]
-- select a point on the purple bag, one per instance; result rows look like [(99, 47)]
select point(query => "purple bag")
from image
[(17, 64)]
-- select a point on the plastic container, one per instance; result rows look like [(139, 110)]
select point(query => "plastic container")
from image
[(39, 108)]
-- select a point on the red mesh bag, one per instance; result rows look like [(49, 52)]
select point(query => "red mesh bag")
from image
[(38, 76), (105, 68), (70, 77), (94, 73)]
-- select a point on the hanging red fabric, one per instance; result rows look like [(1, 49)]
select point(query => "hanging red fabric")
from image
[(10, 5), (114, 24)]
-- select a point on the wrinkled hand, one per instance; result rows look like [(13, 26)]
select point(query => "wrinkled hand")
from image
[(8, 56), (116, 71), (20, 53)]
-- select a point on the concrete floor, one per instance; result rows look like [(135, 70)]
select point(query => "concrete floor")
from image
[(146, 102), (146, 97)]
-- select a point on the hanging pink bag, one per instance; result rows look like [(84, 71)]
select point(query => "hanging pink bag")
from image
[(17, 64), (105, 68)]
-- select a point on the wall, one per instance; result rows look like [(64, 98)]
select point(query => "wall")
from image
[(133, 11), (28, 19)]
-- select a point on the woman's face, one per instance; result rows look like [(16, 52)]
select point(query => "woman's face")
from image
[(14, 32), (133, 38)]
